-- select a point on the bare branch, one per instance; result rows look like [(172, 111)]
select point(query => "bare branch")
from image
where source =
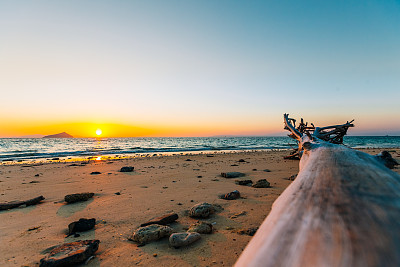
[(295, 134)]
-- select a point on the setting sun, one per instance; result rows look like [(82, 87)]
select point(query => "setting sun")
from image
[(99, 132)]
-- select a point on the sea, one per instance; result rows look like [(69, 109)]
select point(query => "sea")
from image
[(33, 149)]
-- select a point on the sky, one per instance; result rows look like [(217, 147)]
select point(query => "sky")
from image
[(197, 68)]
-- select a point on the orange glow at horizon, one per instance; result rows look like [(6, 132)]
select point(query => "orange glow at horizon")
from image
[(17, 128)]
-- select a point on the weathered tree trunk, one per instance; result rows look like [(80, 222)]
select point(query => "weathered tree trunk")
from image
[(343, 209)]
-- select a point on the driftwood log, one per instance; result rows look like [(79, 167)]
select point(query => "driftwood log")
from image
[(333, 134), (343, 209), (16, 204)]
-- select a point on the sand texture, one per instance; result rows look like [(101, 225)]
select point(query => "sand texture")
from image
[(124, 200)]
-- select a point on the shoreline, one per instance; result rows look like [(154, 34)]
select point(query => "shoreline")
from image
[(159, 185), (113, 157)]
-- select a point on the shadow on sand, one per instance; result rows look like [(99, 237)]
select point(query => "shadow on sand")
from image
[(69, 209)]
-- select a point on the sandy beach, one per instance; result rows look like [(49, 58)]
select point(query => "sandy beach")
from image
[(159, 185)]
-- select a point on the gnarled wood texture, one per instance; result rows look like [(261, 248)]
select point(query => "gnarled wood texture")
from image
[(343, 209)]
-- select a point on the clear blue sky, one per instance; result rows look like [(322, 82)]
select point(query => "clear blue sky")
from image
[(200, 67)]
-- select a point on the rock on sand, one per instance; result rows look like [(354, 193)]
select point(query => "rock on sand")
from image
[(78, 197), (201, 210), (183, 239), (150, 233), (201, 228), (70, 254)]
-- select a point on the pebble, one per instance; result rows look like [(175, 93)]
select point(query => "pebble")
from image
[(70, 254), (244, 182), (231, 196), (150, 233), (201, 210), (72, 198), (127, 169), (81, 225), (232, 174), (162, 220), (201, 228), (183, 239), (263, 183)]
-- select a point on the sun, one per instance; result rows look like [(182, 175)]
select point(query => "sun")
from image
[(99, 132)]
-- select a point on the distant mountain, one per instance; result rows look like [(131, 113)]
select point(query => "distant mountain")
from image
[(59, 135), (32, 136)]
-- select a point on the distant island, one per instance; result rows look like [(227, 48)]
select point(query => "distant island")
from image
[(59, 135)]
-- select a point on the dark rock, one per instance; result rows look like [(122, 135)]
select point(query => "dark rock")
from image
[(70, 254), (387, 159), (244, 182), (201, 228), (199, 176), (263, 183), (291, 178), (201, 210), (267, 170), (36, 175), (188, 160), (77, 235), (254, 170), (241, 160), (231, 196), (127, 169), (232, 174), (162, 220), (95, 173), (73, 165), (248, 231), (234, 165), (210, 156), (153, 232), (81, 225), (183, 239), (34, 182), (55, 159), (78, 197), (118, 193)]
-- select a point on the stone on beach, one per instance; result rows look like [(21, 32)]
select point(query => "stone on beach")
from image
[(248, 231), (150, 233), (162, 220), (183, 239), (81, 225), (201, 228), (127, 169), (231, 196), (263, 183), (244, 182), (72, 198), (70, 254), (201, 210), (232, 174)]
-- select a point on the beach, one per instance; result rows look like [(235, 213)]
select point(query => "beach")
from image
[(159, 185)]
